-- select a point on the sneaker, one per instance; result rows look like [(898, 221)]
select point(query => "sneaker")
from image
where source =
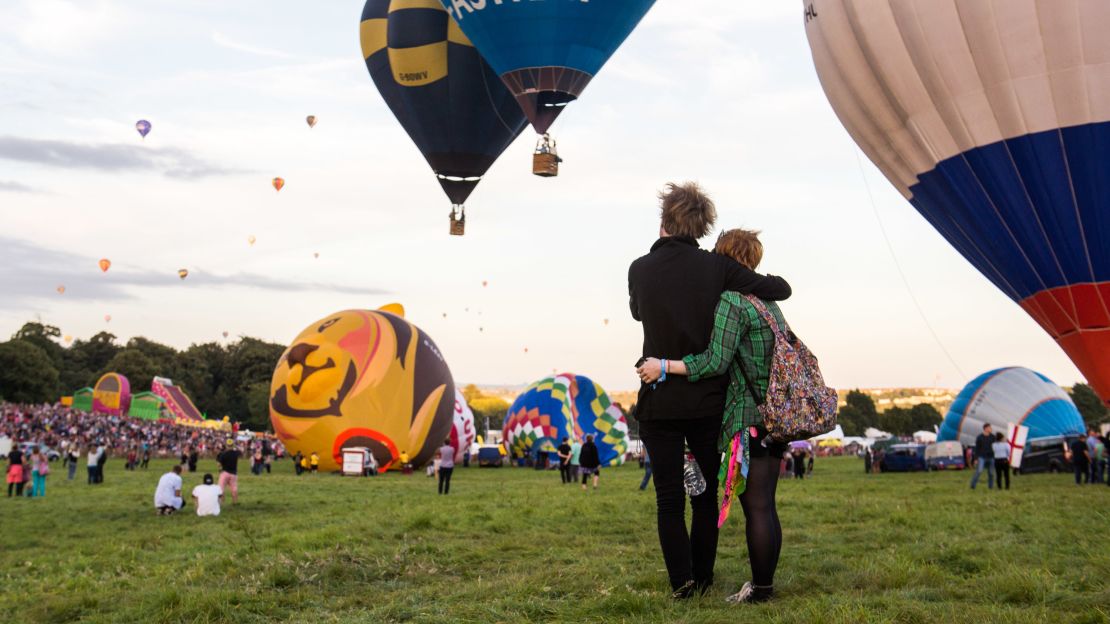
[(751, 594)]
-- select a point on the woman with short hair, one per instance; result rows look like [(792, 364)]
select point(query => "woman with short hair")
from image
[(742, 345)]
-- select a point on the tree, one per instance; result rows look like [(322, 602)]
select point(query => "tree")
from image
[(258, 405), (134, 365), (26, 373), (1090, 406), (489, 413), (163, 358), (858, 414), (96, 352), (925, 417), (896, 420)]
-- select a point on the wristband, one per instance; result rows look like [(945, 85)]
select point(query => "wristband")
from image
[(664, 377)]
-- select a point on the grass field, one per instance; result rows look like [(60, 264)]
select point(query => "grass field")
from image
[(513, 545)]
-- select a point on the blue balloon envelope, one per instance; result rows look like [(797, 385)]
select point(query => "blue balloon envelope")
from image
[(1011, 395), (547, 51)]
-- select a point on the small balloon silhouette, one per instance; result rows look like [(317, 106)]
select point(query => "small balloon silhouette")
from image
[(311, 120), (279, 183), (61, 290), (105, 264)]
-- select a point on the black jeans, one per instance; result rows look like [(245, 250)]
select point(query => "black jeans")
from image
[(1082, 472), (688, 555), (1002, 470), (564, 473), (445, 480)]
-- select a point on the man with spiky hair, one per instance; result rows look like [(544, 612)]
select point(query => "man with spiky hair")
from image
[(673, 291)]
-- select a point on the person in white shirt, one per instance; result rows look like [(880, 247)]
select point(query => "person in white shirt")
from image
[(208, 497), (1001, 450), (167, 497)]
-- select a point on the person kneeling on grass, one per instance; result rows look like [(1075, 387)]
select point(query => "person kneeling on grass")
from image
[(208, 497), (167, 497)]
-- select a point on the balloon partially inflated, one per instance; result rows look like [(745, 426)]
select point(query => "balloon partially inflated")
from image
[(565, 406), (362, 378)]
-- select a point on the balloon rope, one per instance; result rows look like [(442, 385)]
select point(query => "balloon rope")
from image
[(901, 273)]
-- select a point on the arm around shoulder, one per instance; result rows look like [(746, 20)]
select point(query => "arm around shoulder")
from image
[(746, 281)]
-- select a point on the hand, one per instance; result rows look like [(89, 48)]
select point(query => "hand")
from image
[(650, 371)]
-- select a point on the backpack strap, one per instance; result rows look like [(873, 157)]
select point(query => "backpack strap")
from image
[(767, 317)]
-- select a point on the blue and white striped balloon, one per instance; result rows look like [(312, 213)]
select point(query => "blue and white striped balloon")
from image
[(1011, 395)]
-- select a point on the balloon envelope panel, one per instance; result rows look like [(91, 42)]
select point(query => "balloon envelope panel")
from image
[(988, 120), (1010, 395), (547, 52), (361, 378), (565, 406)]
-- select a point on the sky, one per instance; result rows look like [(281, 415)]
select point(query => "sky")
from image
[(725, 95)]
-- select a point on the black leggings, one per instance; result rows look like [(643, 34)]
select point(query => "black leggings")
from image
[(18, 489), (445, 480), (688, 555), (762, 526), (1002, 471)]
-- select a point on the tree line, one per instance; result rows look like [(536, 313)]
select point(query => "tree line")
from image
[(222, 379)]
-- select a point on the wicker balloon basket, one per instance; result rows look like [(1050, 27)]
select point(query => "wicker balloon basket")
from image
[(458, 222), (545, 160)]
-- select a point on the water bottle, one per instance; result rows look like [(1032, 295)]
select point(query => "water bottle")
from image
[(692, 478)]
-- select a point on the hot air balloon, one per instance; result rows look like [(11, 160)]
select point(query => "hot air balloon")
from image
[(107, 318), (446, 97), (565, 406), (485, 284), (61, 290), (68, 339), (183, 273), (316, 255), (104, 264), (278, 183), (547, 52), (143, 127), (225, 334), (311, 120), (606, 322), (251, 240), (993, 123), (1011, 395)]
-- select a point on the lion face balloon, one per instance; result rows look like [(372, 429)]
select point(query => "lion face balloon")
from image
[(363, 378)]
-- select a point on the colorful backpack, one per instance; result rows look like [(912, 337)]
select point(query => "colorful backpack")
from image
[(798, 404)]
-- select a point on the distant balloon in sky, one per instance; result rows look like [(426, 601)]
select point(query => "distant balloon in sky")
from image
[(606, 321), (68, 339), (104, 264), (316, 255), (547, 52), (251, 240), (311, 119), (992, 120), (183, 273), (485, 283), (61, 290), (226, 334), (143, 127), (279, 183), (107, 318)]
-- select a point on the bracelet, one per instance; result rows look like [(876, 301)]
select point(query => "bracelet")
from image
[(664, 377)]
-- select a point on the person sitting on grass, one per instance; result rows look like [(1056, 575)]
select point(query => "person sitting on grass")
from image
[(167, 496), (589, 462), (207, 497)]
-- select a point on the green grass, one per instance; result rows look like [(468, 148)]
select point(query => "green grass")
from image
[(513, 545)]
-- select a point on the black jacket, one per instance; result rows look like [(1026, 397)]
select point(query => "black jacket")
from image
[(588, 457), (984, 446), (674, 291)]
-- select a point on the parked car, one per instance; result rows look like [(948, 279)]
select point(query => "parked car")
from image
[(904, 458), (489, 456), (51, 454), (945, 456), (1045, 455)]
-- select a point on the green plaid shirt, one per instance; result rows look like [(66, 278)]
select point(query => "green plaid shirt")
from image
[(740, 339)]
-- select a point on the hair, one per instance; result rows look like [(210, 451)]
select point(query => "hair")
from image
[(742, 246), (208, 478), (998, 436), (986, 426), (590, 438), (686, 210), (447, 441), (177, 468)]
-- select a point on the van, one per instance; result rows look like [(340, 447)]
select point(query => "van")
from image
[(945, 456), (903, 458), (1045, 455)]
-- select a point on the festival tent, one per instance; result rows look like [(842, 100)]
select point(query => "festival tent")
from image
[(835, 434), (924, 437), (876, 434)]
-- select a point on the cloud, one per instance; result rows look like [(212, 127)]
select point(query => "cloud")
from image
[(31, 272), (15, 187), (226, 42), (170, 162)]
